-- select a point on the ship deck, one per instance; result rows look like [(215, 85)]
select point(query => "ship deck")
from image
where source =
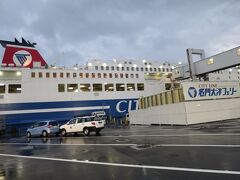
[(206, 151)]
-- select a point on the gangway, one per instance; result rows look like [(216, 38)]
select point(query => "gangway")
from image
[(195, 70)]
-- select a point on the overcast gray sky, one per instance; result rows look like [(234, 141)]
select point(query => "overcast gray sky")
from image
[(73, 31)]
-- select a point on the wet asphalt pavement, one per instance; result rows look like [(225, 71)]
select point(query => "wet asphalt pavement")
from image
[(136, 152)]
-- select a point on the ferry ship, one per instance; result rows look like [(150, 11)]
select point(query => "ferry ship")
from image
[(31, 90)]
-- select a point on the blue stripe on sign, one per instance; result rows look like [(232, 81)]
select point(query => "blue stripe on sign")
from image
[(21, 60)]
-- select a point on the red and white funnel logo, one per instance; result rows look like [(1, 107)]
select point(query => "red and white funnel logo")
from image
[(21, 54), (22, 58)]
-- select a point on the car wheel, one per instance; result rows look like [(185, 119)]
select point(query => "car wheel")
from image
[(63, 132), (86, 131), (29, 134), (44, 133)]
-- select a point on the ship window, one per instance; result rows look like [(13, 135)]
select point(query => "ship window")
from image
[(141, 68), (104, 75), (99, 75), (126, 75), (81, 75), (121, 75), (68, 75), (97, 87), (132, 76), (74, 75), (96, 67), (40, 74), (110, 75), (109, 87), (87, 75), (10, 75), (127, 68), (72, 88), (122, 68), (107, 67), (2, 88), (14, 88), (47, 75), (61, 75), (61, 87), (112, 68), (93, 75), (120, 87), (140, 87), (137, 75), (54, 75), (33, 74), (84, 87), (131, 87), (116, 75)]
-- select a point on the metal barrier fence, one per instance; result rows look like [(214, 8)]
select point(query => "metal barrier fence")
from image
[(163, 98)]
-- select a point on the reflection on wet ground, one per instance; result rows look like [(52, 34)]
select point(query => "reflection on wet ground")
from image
[(138, 152), (2, 172)]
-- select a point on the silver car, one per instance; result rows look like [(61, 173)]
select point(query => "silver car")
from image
[(43, 128)]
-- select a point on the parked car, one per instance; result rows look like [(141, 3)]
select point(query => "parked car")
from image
[(43, 128), (84, 124), (99, 114)]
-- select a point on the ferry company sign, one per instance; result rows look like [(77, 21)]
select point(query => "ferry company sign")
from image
[(210, 90)]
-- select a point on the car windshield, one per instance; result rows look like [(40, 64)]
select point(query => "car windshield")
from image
[(73, 121)]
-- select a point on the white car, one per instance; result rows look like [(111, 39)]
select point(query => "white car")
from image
[(84, 124)]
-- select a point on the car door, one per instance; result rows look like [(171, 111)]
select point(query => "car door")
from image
[(80, 124), (39, 129), (34, 128), (71, 125)]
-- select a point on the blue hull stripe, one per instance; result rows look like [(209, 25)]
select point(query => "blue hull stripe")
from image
[(14, 113), (59, 104)]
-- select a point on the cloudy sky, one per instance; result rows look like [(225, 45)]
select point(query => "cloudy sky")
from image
[(71, 32)]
